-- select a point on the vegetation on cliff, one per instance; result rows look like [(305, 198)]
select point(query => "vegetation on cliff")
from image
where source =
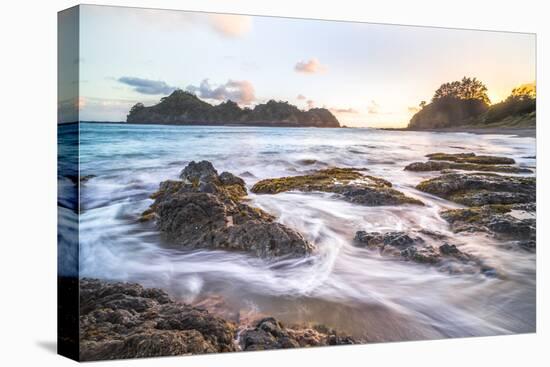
[(466, 103), (184, 108)]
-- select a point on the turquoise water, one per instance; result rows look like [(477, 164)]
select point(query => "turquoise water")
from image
[(342, 286)]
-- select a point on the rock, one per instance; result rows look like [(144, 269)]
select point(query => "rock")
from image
[(443, 166), (269, 333), (476, 189), (497, 220), (395, 239), (470, 158), (420, 249), (205, 210), (349, 183), (428, 166), (125, 320)]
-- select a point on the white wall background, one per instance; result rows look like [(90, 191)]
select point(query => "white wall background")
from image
[(28, 182)]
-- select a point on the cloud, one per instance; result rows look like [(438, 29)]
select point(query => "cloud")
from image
[(413, 109), (309, 67), (300, 97), (230, 25), (310, 104), (240, 91), (373, 108), (343, 110), (147, 86)]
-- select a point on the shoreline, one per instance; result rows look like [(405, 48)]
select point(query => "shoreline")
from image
[(519, 132)]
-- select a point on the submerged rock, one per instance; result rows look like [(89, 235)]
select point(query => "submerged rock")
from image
[(421, 249), (205, 210), (352, 185), (269, 333), (476, 189), (125, 320)]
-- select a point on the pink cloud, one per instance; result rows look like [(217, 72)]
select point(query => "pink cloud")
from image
[(240, 91), (231, 25), (311, 66)]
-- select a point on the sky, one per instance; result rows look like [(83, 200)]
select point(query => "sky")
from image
[(368, 75)]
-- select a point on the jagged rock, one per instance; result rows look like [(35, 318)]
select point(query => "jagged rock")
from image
[(204, 210), (476, 189), (268, 333), (352, 185), (420, 249), (125, 320), (496, 219)]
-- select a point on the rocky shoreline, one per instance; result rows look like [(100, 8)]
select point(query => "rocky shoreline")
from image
[(126, 320), (210, 210), (205, 209)]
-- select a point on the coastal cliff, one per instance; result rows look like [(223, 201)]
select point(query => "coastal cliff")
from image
[(184, 108)]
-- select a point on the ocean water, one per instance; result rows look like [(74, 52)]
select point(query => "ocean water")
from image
[(348, 288)]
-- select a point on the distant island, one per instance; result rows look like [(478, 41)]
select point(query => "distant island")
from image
[(185, 108), (464, 104)]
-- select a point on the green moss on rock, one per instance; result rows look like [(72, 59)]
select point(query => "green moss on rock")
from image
[(470, 158), (476, 189), (348, 182), (445, 166)]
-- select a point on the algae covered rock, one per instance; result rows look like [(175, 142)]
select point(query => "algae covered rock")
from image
[(470, 158), (269, 333), (349, 183), (205, 210), (508, 222), (125, 320), (442, 166), (476, 189), (466, 162), (503, 206)]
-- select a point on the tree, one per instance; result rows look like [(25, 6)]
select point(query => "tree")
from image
[(136, 108), (422, 104), (466, 89), (524, 92)]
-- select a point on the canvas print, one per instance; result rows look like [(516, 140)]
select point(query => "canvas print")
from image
[(232, 183)]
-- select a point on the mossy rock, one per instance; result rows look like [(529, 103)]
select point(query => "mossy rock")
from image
[(495, 219), (347, 182), (476, 189), (470, 158), (207, 210), (147, 215), (446, 166)]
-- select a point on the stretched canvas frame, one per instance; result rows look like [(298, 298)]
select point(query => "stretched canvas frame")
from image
[(322, 222)]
